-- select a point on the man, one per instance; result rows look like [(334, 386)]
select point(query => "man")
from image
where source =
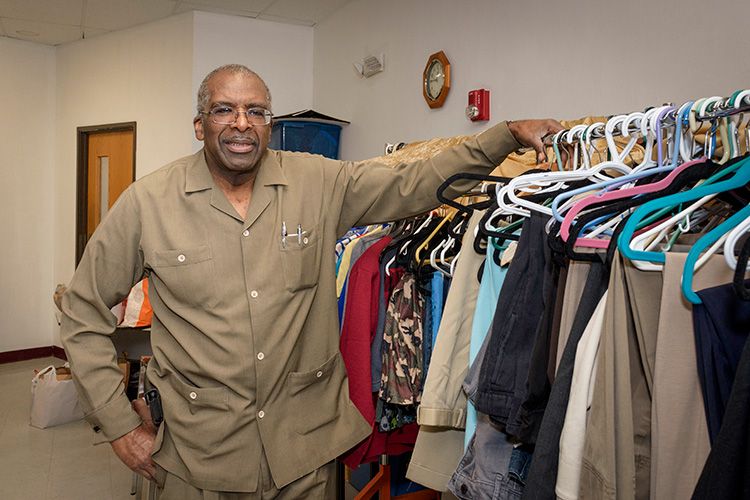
[(237, 242)]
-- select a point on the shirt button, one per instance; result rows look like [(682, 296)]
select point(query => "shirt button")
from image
[(261, 414), (193, 395), (305, 240), (245, 233), (261, 355), (181, 258), (254, 294), (319, 374)]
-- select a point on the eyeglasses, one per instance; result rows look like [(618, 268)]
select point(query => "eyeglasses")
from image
[(226, 115)]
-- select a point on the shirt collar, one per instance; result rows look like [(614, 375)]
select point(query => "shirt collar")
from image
[(198, 177)]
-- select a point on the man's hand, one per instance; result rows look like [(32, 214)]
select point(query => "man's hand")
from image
[(531, 132), (135, 447)]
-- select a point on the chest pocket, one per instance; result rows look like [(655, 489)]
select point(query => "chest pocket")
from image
[(300, 260), (188, 276)]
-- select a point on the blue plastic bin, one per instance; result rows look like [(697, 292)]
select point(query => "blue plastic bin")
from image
[(306, 136)]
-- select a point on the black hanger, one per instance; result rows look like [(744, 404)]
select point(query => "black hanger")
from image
[(467, 209)]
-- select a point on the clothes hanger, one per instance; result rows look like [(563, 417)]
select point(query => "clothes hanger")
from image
[(710, 148), (574, 137), (625, 122), (526, 183), (731, 242), (627, 178), (427, 241), (454, 232), (738, 100), (467, 209), (740, 177), (556, 180), (707, 149), (703, 243), (623, 207), (403, 249), (603, 197), (606, 224)]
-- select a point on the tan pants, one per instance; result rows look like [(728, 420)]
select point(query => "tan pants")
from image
[(320, 484)]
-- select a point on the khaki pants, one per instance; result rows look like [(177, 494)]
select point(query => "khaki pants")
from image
[(320, 484)]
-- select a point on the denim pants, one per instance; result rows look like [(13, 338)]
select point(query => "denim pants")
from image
[(492, 468), (520, 305)]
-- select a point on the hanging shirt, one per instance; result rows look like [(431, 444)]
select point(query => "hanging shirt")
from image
[(493, 276), (403, 360)]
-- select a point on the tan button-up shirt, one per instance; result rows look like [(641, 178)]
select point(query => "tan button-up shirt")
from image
[(245, 330)]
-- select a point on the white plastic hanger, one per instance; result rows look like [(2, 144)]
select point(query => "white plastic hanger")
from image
[(731, 243)]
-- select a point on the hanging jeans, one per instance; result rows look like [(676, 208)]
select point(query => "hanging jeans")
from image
[(492, 468), (503, 376)]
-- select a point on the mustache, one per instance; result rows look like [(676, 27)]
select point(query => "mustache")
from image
[(241, 138)]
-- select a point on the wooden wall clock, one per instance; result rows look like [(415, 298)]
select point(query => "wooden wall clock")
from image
[(436, 81)]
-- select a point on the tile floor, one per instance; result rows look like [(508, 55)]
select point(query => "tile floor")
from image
[(58, 463)]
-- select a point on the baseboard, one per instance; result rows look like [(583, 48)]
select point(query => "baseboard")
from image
[(59, 352), (34, 353)]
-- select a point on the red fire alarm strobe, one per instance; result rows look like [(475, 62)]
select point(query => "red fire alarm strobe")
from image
[(479, 105)]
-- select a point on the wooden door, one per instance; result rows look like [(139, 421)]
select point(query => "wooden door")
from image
[(106, 169), (110, 171)]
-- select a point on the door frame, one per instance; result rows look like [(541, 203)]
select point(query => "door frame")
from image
[(82, 175)]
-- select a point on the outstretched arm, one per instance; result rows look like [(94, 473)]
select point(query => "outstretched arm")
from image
[(530, 133)]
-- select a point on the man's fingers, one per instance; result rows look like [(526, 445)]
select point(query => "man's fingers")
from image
[(148, 471)]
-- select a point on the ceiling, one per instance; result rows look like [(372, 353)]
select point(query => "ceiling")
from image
[(53, 22)]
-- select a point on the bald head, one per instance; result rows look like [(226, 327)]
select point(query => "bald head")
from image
[(204, 94)]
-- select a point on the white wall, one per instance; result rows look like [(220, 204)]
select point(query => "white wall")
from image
[(27, 182), (141, 74), (148, 74), (282, 54), (538, 58)]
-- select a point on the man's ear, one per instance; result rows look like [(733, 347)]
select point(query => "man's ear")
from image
[(198, 126)]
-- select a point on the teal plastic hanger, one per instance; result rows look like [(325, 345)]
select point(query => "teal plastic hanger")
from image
[(702, 244), (739, 179)]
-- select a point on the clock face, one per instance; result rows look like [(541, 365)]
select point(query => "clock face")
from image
[(435, 79)]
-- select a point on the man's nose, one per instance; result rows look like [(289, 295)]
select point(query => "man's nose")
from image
[(241, 122)]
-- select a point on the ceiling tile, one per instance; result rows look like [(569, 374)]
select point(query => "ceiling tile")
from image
[(185, 6), (279, 19), (119, 14), (92, 32), (46, 11), (51, 34), (234, 5), (301, 9), (61, 21)]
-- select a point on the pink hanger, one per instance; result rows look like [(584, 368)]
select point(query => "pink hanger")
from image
[(614, 195)]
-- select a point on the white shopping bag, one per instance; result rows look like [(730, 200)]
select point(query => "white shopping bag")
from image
[(53, 398)]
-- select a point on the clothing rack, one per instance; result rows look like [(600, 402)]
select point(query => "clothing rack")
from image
[(381, 484), (595, 131)]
